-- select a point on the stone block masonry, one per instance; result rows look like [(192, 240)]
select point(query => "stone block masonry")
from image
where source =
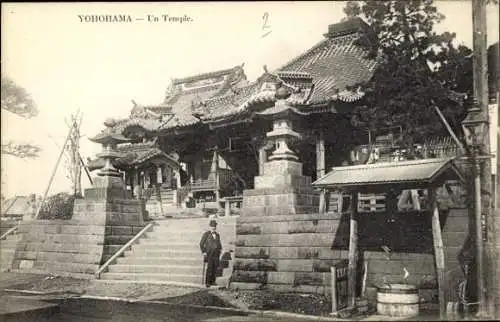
[(101, 224), (294, 252), (289, 253)]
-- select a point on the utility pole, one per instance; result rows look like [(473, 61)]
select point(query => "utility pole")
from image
[(486, 257)]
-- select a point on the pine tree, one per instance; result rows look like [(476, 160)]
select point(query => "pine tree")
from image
[(417, 69)]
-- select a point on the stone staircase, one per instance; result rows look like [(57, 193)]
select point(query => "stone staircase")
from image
[(8, 250), (170, 254), (161, 202)]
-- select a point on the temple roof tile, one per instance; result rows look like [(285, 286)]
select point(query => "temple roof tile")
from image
[(135, 154)]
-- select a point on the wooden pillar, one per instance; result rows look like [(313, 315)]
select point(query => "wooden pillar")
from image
[(320, 155), (438, 253), (320, 169), (215, 168), (227, 208), (137, 188), (159, 174), (353, 251), (147, 178), (322, 201), (132, 177), (177, 173), (262, 159)]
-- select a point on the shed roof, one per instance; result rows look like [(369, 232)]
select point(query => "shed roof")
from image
[(18, 205), (404, 173)]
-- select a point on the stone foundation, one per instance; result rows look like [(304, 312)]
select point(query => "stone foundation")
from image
[(294, 253), (289, 253), (102, 223), (280, 190)]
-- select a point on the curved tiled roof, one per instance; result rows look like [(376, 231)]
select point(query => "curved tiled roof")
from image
[(332, 70), (134, 154), (184, 100), (336, 65)]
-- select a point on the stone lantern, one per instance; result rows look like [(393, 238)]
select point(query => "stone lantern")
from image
[(281, 188), (109, 175)]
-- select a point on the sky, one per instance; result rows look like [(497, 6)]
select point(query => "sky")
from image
[(68, 64)]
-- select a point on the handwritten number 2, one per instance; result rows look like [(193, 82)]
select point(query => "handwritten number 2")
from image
[(265, 25), (266, 20)]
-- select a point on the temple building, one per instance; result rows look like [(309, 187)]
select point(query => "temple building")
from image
[(221, 144), (212, 134)]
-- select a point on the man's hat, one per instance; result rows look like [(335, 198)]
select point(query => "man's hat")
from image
[(212, 223)]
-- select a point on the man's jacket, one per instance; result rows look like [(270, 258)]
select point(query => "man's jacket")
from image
[(209, 244)]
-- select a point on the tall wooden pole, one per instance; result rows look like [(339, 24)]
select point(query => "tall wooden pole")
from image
[(353, 251), (75, 162), (480, 85), (53, 174), (437, 238), (320, 169)]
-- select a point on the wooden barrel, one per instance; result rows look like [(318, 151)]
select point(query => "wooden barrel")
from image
[(399, 300)]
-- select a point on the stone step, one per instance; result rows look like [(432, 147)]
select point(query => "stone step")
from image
[(193, 228), (151, 243), (165, 253), (156, 269), (66, 267), (145, 260), (117, 239), (6, 258), (8, 244), (175, 246), (52, 272), (63, 247), (182, 278), (65, 238), (111, 249), (174, 237), (58, 257), (125, 230), (192, 233), (150, 282)]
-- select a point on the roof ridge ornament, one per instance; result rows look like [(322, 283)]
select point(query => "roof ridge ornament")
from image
[(282, 93)]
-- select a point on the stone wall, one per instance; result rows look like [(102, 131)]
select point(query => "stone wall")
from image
[(294, 253), (286, 252), (101, 224)]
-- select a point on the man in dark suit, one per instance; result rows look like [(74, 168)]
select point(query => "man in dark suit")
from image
[(211, 248)]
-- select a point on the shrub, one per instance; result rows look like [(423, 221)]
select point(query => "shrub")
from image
[(58, 206)]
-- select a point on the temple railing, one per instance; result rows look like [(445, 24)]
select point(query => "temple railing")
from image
[(225, 177), (214, 181), (182, 193), (416, 200), (206, 184)]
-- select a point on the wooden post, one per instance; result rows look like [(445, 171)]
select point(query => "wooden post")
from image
[(320, 168), (132, 183), (353, 250), (159, 174), (333, 273), (480, 90), (322, 201), (215, 169), (438, 253), (227, 208), (138, 187), (53, 174), (262, 159)]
